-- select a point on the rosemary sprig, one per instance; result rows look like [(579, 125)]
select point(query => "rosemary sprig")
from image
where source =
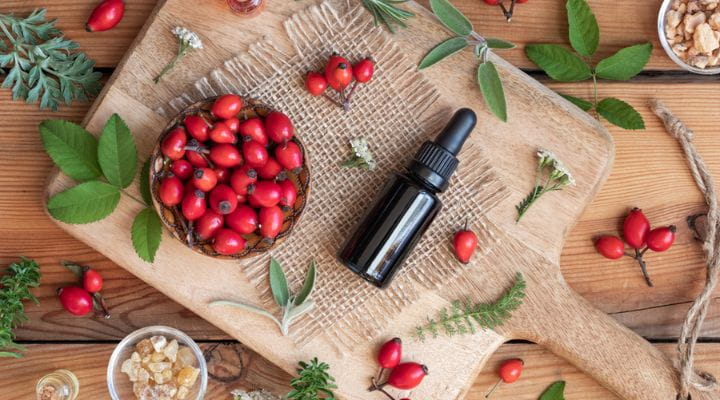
[(386, 12), (313, 382), (14, 289), (462, 317)]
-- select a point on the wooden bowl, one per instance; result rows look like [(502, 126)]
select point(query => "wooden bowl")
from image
[(172, 216)]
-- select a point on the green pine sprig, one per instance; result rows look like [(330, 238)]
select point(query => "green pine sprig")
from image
[(39, 64), (14, 289), (464, 317), (388, 13), (313, 383), (564, 65)]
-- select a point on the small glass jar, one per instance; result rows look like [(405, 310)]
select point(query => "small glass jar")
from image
[(59, 385), (247, 8)]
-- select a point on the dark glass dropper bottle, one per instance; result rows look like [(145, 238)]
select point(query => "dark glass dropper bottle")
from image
[(406, 206)]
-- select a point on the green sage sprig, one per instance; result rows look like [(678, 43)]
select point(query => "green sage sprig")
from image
[(313, 382), (291, 306), (563, 65), (388, 13), (14, 289), (556, 175), (488, 78)]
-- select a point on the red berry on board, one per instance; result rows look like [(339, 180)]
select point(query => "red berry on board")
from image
[(76, 300), (221, 133), (194, 205), (197, 127), (636, 228), (233, 124), (225, 155), (660, 239), (208, 224), (407, 375), (173, 145), (390, 353), (289, 156), (242, 178), (278, 126), (171, 191), (105, 16), (196, 159), (255, 154), (492, 2), (288, 194), (204, 179), (315, 83), (227, 106), (228, 242), (223, 174), (338, 72), (243, 220), (223, 200), (363, 70), (271, 221), (270, 170), (92, 281), (253, 129), (182, 169), (266, 193), (510, 370), (610, 247), (464, 243), (521, 1)]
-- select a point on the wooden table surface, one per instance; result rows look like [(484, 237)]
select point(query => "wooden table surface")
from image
[(649, 172)]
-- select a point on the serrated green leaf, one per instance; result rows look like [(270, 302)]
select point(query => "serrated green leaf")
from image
[(443, 51), (499, 44), (492, 89), (87, 202), (582, 104), (72, 149), (278, 283), (558, 62), (451, 17), (554, 392), (146, 234), (582, 27), (145, 183), (626, 63), (620, 113), (117, 153), (308, 285)]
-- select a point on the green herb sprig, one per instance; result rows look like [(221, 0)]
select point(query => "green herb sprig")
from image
[(40, 65), (313, 383), (565, 66), (14, 289), (462, 316), (291, 306), (388, 13), (550, 175), (488, 78), (556, 391), (104, 168)]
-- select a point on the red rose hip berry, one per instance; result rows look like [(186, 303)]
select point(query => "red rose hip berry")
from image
[(610, 247), (221, 133), (92, 281), (278, 126), (204, 179), (253, 129), (407, 375), (464, 243), (208, 224), (197, 127), (255, 154), (223, 200), (338, 72), (196, 159), (243, 220), (105, 16), (233, 124), (315, 83), (270, 170), (289, 156), (227, 106), (171, 191), (225, 155), (182, 169), (390, 354), (509, 372), (194, 205), (228, 242), (76, 300), (660, 239), (636, 228), (173, 145), (223, 174), (266, 194), (363, 70), (288, 194), (271, 221), (242, 178)]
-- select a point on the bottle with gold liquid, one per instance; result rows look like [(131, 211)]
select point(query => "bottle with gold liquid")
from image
[(247, 8), (59, 385)]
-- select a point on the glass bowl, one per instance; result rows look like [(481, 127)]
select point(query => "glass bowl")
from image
[(664, 8), (119, 385)]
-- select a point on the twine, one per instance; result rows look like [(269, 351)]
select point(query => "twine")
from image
[(702, 381)]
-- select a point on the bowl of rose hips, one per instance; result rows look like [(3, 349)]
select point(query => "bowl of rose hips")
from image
[(229, 177)]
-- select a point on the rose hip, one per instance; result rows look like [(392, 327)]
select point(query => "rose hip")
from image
[(363, 70), (271, 221), (266, 193), (204, 179), (338, 72), (225, 155), (105, 16), (182, 169), (242, 178), (223, 174), (509, 372), (171, 191), (289, 156), (253, 129), (270, 170), (636, 228), (223, 199), (390, 354), (279, 127), (233, 124), (610, 247), (197, 127), (208, 224), (221, 133), (315, 83), (288, 194), (196, 159), (228, 242), (407, 376), (243, 220), (660, 239), (173, 145), (464, 243), (76, 300), (227, 106), (255, 154), (194, 205), (92, 281)]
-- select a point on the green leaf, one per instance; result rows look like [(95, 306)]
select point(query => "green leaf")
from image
[(492, 89), (443, 51), (583, 27), (84, 203), (451, 17), (558, 62), (620, 113), (499, 44), (582, 104), (626, 63), (246, 307), (278, 283), (145, 183), (308, 285), (554, 392), (146, 234), (72, 149), (117, 153)]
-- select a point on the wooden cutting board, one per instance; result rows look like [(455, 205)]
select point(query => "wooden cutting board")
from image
[(553, 315)]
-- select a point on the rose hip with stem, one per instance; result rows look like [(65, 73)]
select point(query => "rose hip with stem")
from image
[(464, 243), (508, 372)]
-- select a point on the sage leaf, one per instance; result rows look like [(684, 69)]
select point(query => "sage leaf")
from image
[(583, 27), (582, 104), (146, 234), (117, 153), (308, 285), (451, 17), (620, 113), (558, 62), (72, 149), (443, 51), (246, 307), (554, 392), (87, 202), (626, 63), (492, 89), (278, 284), (298, 311), (500, 44)]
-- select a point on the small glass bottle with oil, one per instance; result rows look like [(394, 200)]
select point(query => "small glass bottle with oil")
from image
[(58, 385)]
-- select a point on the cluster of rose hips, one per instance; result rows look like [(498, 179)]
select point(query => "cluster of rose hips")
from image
[(465, 242), (507, 12), (403, 375), (509, 372), (83, 298), (339, 74), (224, 178), (639, 236)]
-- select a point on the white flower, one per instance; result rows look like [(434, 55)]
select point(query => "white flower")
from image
[(362, 150), (188, 37)]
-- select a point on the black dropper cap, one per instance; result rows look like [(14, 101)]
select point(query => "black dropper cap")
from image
[(436, 161)]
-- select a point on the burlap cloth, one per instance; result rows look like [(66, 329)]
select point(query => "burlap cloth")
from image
[(395, 112)]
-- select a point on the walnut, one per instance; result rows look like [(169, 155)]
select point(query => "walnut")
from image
[(705, 39)]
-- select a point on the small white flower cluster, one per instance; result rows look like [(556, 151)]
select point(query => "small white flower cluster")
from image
[(560, 172), (361, 155), (188, 37)]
